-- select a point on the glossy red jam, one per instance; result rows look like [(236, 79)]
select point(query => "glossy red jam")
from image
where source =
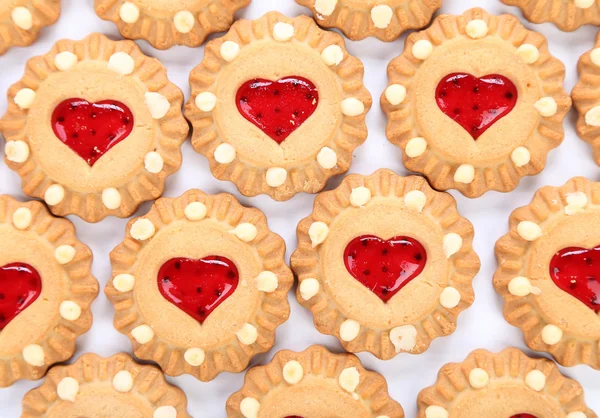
[(383, 266), (20, 286), (577, 271), (91, 129), (476, 103), (198, 287), (279, 107), (523, 416)]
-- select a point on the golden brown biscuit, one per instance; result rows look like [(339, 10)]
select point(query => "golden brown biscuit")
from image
[(22, 20), (568, 15)]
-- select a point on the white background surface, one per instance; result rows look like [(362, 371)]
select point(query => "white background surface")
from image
[(482, 326)]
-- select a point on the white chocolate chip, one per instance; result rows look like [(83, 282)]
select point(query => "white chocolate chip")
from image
[(404, 338), (452, 244), (129, 12), (360, 196), (111, 198), (318, 233), (248, 334), (592, 117), (69, 310), (249, 408), (65, 60), (16, 151), (327, 158), (595, 56), (332, 55), (64, 254), (54, 194), (194, 356), (122, 63), (349, 379), (153, 162), (395, 94), (229, 50), (123, 381), (124, 282), (166, 411), (33, 354), (22, 17), (520, 156), (381, 15), (422, 49), (528, 53), (267, 282), (349, 330), (529, 231), (352, 107), (435, 411), (143, 334), (142, 229), (309, 288), (477, 29), (584, 4), (521, 286), (551, 334), (546, 106), (576, 203), (276, 176), (535, 380), (245, 232), (283, 32), (158, 105), (67, 389), (325, 7), (293, 372), (415, 200), (25, 98), (450, 297), (577, 414), (224, 153), (22, 218), (465, 173), (184, 21), (206, 101), (415, 147), (479, 378), (195, 211)]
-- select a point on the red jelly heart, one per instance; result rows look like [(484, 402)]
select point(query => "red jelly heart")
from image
[(384, 267), (20, 286), (476, 103), (577, 271), (91, 129), (523, 416), (279, 107), (197, 287)]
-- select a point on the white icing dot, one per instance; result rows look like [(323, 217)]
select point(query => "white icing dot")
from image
[(535, 380), (327, 158), (22, 17), (293, 372), (283, 32), (452, 244), (16, 151), (416, 147), (153, 162), (577, 414), (22, 218), (194, 356), (478, 378), (360, 196), (124, 282), (592, 116), (123, 381), (520, 156), (206, 101), (529, 231), (166, 411), (158, 105), (249, 408), (142, 229), (352, 107), (576, 203), (25, 98), (349, 330), (415, 200), (477, 29), (381, 15), (245, 232), (183, 21), (67, 389), (551, 334), (521, 286), (318, 233), (528, 53), (195, 211), (64, 254), (349, 379), (229, 50), (248, 334), (129, 12), (121, 63), (224, 153), (309, 288), (595, 56), (33, 354), (267, 282), (111, 198), (546, 106), (422, 49), (332, 55), (584, 4), (404, 338), (276, 176), (395, 94), (325, 7), (465, 173), (54, 194), (143, 334), (65, 60), (435, 411), (450, 297), (69, 310)]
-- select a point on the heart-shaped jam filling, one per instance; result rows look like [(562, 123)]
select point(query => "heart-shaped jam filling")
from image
[(523, 416), (91, 129), (577, 271), (279, 107), (476, 103), (197, 287), (384, 266), (20, 286)]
